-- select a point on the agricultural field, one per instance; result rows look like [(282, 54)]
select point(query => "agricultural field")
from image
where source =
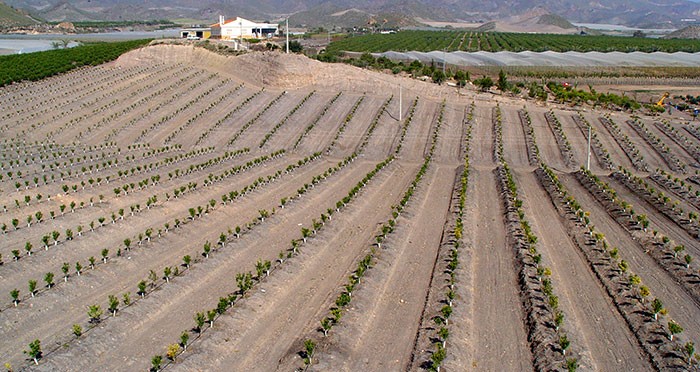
[(178, 209), (473, 41)]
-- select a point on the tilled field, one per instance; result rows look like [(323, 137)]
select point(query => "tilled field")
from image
[(182, 210)]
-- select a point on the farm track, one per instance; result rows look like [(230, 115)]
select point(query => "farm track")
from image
[(139, 104), (578, 141), (549, 149), (514, 142)]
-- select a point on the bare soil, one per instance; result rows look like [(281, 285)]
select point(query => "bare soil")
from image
[(167, 95)]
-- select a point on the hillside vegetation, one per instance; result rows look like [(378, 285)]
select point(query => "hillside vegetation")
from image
[(11, 17), (472, 41)]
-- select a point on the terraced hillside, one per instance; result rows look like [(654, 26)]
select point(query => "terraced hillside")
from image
[(179, 209)]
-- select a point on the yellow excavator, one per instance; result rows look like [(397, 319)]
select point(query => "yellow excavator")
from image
[(661, 101)]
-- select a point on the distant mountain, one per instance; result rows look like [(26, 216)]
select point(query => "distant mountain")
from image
[(10, 17), (634, 13)]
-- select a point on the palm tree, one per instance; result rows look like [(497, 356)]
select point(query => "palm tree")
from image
[(78, 268), (187, 259), (126, 298), (105, 252), (688, 259), (28, 247), (437, 357), (443, 333), (127, 244), (172, 352), (689, 350)]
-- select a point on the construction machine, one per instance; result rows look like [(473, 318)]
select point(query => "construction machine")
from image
[(661, 101)]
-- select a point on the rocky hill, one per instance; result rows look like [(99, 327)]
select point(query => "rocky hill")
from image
[(11, 17), (690, 32)]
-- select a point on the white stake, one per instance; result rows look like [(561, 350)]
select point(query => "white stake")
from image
[(588, 161)]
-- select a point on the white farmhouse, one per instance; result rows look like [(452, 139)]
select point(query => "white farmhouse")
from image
[(229, 29)]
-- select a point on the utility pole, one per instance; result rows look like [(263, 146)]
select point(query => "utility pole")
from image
[(588, 161), (286, 28)]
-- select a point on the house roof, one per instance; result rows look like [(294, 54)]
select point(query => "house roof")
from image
[(238, 21)]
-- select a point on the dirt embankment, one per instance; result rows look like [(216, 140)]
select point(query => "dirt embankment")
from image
[(275, 70)]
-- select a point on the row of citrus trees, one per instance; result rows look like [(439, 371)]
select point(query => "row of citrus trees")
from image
[(624, 287), (427, 41), (36, 66), (544, 318)]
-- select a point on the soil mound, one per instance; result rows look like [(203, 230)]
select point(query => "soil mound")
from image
[(275, 70)]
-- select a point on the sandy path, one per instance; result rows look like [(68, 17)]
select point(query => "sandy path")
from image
[(684, 156), (379, 330), (386, 134), (594, 325), (549, 150), (498, 339), (252, 337), (288, 133), (252, 137), (650, 155), (617, 153), (324, 131), (515, 149), (682, 308), (579, 142), (417, 140), (482, 137), (177, 303), (449, 147), (356, 129)]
